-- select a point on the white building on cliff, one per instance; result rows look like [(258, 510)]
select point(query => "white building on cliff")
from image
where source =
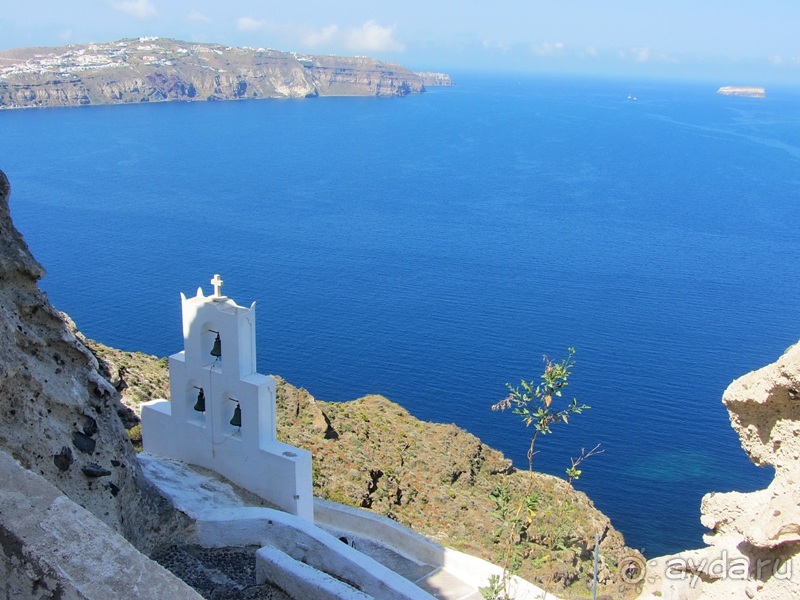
[(222, 417), (222, 412)]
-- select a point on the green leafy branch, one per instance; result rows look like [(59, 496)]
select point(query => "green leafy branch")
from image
[(537, 406), (534, 402)]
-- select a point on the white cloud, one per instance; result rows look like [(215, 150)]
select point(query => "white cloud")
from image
[(251, 24), (141, 9), (641, 55), (667, 58), (590, 50), (779, 60), (499, 46), (373, 37), (644, 54), (66, 34), (548, 49), (197, 17), (320, 36)]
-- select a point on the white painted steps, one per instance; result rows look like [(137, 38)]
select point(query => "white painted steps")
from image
[(381, 558)]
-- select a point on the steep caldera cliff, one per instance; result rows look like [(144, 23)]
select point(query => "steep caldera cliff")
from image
[(160, 69), (58, 415), (754, 541), (70, 484)]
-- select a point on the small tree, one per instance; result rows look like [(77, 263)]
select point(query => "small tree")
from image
[(537, 406)]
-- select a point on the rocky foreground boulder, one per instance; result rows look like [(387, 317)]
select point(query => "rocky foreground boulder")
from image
[(754, 544), (52, 548)]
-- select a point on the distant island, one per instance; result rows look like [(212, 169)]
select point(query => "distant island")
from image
[(743, 90), (159, 69)]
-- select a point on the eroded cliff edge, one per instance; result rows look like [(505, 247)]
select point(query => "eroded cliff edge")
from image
[(161, 69), (59, 415), (754, 541), (59, 421)]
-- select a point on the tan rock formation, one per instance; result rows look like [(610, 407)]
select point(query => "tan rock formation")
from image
[(58, 415), (754, 543)]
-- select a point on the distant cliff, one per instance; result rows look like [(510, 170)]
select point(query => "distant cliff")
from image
[(436, 79), (160, 69)]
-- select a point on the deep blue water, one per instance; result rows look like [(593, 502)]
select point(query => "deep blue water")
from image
[(434, 247)]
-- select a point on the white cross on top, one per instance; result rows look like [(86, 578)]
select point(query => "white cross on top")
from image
[(217, 283)]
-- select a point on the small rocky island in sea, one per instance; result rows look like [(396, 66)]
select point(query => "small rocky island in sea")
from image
[(160, 69), (743, 90)]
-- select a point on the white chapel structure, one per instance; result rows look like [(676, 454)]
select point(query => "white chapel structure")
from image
[(221, 415)]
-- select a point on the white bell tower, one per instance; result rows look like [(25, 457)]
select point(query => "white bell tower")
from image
[(222, 412)]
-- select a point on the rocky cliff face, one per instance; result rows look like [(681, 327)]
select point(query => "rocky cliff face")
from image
[(754, 543), (51, 548), (58, 415), (360, 76), (436, 79), (155, 69)]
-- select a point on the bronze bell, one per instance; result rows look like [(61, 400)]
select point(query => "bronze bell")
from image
[(216, 350), (236, 420), (200, 405)]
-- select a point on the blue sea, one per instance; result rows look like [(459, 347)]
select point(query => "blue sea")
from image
[(434, 247)]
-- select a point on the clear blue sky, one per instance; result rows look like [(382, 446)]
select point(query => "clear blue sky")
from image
[(735, 41)]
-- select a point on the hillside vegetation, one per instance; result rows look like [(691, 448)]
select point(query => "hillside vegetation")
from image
[(437, 479)]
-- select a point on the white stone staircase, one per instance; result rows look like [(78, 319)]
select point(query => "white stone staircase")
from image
[(347, 553)]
